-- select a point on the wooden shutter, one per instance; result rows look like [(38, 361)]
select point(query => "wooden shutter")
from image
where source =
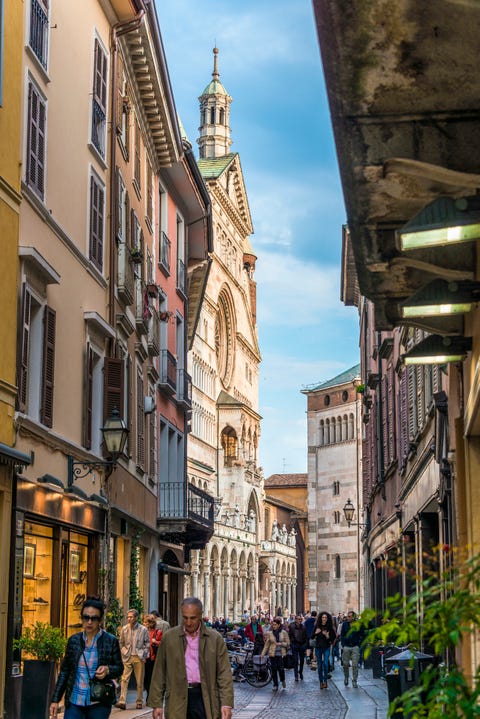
[(36, 141), (384, 418), (97, 198), (128, 229), (140, 422), (100, 77), (137, 154), (88, 398), (24, 347), (151, 445), (120, 187), (48, 368), (113, 373), (120, 98), (403, 418), (391, 439), (131, 434)]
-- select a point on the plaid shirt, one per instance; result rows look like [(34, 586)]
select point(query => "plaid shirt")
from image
[(81, 689)]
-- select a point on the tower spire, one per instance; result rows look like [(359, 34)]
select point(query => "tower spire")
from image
[(214, 139)]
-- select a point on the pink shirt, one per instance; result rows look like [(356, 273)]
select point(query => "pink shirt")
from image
[(192, 662)]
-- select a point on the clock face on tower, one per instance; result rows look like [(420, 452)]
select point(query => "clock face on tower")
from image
[(224, 340)]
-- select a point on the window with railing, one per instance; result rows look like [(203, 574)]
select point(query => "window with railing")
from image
[(181, 277), (38, 40), (164, 254), (99, 99)]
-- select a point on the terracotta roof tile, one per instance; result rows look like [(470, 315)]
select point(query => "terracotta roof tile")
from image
[(287, 480)]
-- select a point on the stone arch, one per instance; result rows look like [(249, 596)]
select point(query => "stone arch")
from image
[(225, 333)]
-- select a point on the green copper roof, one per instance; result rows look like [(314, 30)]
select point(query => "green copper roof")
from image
[(214, 87), (212, 167), (348, 376)]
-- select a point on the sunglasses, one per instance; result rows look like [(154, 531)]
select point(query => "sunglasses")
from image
[(90, 618)]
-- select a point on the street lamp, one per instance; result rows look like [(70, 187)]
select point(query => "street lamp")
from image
[(115, 433), (349, 511)]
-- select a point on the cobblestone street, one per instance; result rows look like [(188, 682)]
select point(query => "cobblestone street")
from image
[(302, 699)]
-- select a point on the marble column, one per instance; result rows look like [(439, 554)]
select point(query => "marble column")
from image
[(216, 592), (225, 595), (243, 592), (206, 595), (235, 593), (252, 595)]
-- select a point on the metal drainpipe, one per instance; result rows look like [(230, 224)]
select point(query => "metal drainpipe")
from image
[(121, 28)]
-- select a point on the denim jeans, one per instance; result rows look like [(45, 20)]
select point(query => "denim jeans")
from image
[(322, 663), (93, 711)]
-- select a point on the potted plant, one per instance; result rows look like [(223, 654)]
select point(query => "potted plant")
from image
[(136, 255), (44, 645)]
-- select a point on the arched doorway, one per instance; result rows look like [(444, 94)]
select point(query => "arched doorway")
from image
[(169, 594)]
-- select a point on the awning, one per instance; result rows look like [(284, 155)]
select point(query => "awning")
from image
[(13, 457)]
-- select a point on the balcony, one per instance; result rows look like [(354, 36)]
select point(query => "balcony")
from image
[(168, 372), (181, 278), (125, 275), (142, 310), (184, 389), (186, 514), (164, 259), (153, 341)]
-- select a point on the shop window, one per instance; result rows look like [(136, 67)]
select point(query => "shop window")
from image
[(37, 574)]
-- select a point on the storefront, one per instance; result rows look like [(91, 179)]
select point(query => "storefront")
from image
[(56, 557)]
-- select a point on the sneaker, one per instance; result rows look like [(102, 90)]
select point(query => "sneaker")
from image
[(139, 705), (121, 705), (355, 685), (284, 685), (345, 681)]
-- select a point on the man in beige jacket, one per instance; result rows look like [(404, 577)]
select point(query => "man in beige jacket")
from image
[(135, 648), (192, 672)]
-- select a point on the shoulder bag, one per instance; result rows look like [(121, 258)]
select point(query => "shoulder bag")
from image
[(101, 690)]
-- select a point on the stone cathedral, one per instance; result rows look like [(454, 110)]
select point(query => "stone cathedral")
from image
[(223, 362)]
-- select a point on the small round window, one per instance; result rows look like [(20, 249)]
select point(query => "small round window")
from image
[(344, 395), (326, 400)]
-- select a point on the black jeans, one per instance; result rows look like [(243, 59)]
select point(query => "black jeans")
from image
[(277, 670), (299, 657), (195, 706)]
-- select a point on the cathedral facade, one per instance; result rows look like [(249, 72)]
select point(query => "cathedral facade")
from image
[(224, 357)]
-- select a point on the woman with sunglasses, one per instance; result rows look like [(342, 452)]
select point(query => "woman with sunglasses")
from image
[(93, 652)]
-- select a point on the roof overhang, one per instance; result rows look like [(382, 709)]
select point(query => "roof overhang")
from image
[(403, 89)]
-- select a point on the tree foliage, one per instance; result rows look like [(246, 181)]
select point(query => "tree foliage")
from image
[(441, 617)]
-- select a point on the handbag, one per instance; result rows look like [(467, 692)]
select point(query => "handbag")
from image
[(289, 660), (101, 690)]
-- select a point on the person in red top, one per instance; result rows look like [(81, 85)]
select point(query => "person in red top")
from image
[(150, 622), (254, 633)]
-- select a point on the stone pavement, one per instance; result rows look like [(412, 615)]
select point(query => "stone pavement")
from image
[(303, 699)]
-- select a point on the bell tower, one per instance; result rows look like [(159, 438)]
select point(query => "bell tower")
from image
[(214, 140)]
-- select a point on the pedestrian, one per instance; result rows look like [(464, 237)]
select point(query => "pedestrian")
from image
[(135, 648), (93, 652), (298, 641), (162, 624), (192, 671), (324, 635), (351, 640), (310, 627), (254, 633), (155, 635), (276, 645)]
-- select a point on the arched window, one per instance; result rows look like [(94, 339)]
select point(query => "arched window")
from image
[(229, 445), (327, 432), (339, 429), (336, 517), (202, 117), (336, 489), (321, 436), (221, 118), (350, 427), (212, 115), (338, 566), (332, 430), (345, 427)]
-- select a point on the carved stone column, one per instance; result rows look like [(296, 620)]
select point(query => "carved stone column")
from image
[(226, 579), (216, 593), (243, 591), (206, 595)]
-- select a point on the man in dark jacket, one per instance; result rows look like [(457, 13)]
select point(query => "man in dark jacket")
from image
[(351, 640), (298, 642)]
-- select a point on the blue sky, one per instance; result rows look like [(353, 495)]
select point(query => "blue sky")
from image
[(269, 63)]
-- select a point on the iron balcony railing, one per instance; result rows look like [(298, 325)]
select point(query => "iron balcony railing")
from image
[(184, 388), (125, 275), (142, 308), (168, 371), (153, 340), (200, 506), (172, 500)]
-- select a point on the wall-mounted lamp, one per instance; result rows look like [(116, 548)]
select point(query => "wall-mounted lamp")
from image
[(349, 511), (115, 435), (440, 297), (444, 221), (436, 349)]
